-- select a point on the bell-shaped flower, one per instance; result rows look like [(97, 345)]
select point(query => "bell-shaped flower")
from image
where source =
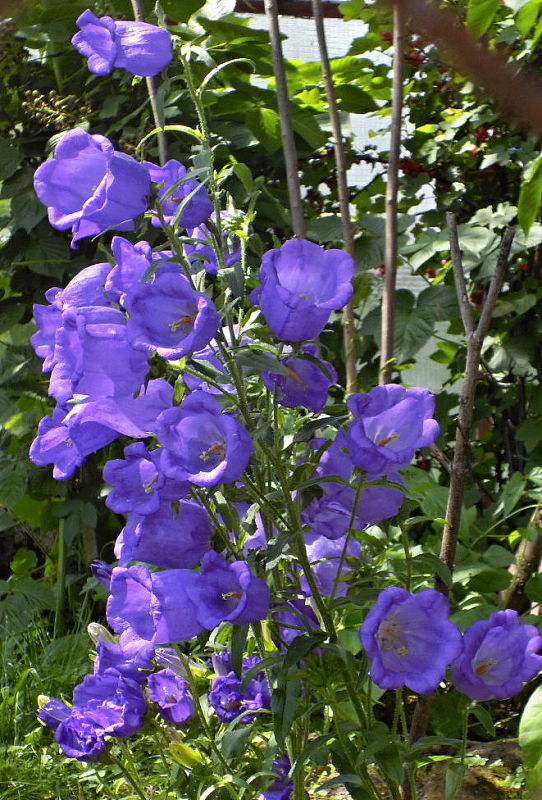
[(390, 424), (153, 607), (81, 737), (85, 289), (227, 592), (114, 702), (301, 284), (130, 663), (88, 186), (330, 560), (139, 486), (80, 367), (170, 318), (137, 47), (198, 205), (306, 384), (165, 539), (133, 261), (232, 696), (409, 639), (170, 693), (201, 443), (499, 655)]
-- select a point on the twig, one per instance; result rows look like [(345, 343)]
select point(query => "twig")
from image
[(139, 16), (475, 339), (460, 467), (342, 190), (286, 129), (392, 188)]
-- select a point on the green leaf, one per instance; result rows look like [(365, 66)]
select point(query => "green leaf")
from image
[(439, 301), (185, 756), (9, 158), (238, 641), (354, 100), (24, 561), (454, 778), (530, 194), (306, 125), (259, 361), (265, 125), (526, 17), (284, 705), (325, 228), (530, 729), (480, 15)]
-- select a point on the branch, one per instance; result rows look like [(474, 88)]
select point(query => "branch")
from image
[(342, 190), (516, 90), (459, 275), (139, 16), (286, 130), (392, 188)]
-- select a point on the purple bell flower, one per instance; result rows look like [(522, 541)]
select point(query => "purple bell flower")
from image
[(85, 289), (170, 693), (80, 366), (198, 208), (410, 639), (301, 284), (230, 698), (115, 703), (111, 656), (281, 788), (101, 570), (201, 443), (132, 262), (165, 539), (65, 445), (53, 712), (499, 656), (88, 186), (325, 556), (137, 47), (153, 607), (80, 737), (306, 384), (139, 486), (169, 317), (229, 593), (390, 424)]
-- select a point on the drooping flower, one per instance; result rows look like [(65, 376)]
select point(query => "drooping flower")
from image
[(301, 284), (410, 639), (88, 186), (306, 384), (169, 317), (137, 47), (390, 424), (202, 444), (196, 210), (80, 737), (170, 693), (232, 696), (499, 655)]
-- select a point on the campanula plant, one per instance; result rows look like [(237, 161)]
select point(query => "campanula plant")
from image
[(256, 616)]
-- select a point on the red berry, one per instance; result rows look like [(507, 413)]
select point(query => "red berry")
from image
[(387, 36), (382, 269), (523, 266), (431, 273), (415, 58), (482, 134)]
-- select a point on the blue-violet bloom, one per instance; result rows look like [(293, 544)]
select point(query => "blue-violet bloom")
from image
[(170, 693)]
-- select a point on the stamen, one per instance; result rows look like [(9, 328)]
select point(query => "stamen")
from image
[(180, 322), (147, 487), (226, 595), (293, 374), (485, 665), (218, 447), (387, 440)]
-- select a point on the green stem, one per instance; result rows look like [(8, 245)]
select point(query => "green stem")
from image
[(61, 580), (131, 779), (406, 548)]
